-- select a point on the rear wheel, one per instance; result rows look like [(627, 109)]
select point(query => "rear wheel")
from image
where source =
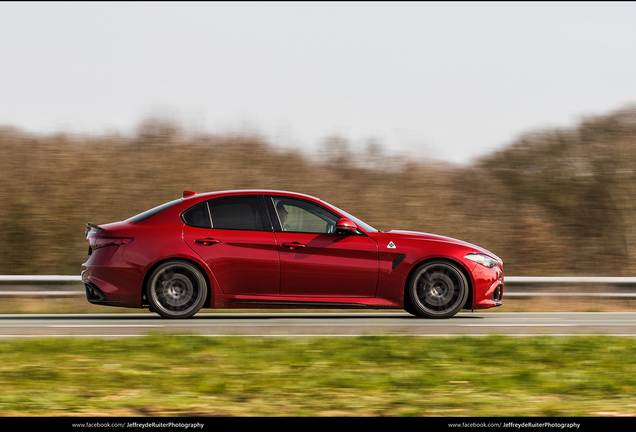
[(176, 289), (437, 289)]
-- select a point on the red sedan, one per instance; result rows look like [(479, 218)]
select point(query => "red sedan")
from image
[(260, 249)]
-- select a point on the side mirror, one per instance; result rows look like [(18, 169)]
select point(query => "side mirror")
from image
[(346, 225)]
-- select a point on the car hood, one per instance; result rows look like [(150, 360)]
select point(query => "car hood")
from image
[(414, 235)]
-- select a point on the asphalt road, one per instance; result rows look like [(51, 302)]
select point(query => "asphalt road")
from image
[(332, 324)]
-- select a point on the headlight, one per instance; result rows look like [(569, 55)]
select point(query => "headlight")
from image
[(482, 259)]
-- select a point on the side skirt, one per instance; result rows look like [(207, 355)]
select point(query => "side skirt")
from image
[(252, 301), (300, 304)]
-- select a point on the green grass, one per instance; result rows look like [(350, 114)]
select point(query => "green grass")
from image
[(162, 375)]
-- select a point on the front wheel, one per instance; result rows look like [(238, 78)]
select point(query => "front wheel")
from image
[(176, 289), (437, 289)]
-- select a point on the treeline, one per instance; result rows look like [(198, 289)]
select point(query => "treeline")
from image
[(555, 202)]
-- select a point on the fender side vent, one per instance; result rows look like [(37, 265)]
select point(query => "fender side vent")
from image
[(397, 261)]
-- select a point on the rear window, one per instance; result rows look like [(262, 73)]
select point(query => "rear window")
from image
[(153, 211)]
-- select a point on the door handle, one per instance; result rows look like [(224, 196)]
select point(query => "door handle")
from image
[(207, 241), (293, 245)]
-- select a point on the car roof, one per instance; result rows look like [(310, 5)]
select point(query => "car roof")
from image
[(248, 192)]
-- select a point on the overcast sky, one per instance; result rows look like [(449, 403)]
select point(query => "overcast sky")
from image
[(451, 81)]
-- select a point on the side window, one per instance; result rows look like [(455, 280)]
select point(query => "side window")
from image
[(237, 213), (198, 216), (297, 215)]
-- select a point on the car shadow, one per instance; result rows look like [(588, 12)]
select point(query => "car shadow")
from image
[(247, 316)]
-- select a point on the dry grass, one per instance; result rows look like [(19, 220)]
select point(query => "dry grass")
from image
[(556, 202)]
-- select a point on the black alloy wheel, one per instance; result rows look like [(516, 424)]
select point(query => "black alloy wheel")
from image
[(176, 289), (437, 289)]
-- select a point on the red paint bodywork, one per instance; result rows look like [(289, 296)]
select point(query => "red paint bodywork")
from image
[(266, 269)]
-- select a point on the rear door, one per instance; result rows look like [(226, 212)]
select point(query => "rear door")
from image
[(234, 236)]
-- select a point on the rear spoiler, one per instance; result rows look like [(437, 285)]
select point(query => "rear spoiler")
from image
[(90, 225)]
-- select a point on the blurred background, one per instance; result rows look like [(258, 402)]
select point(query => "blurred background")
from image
[(507, 125)]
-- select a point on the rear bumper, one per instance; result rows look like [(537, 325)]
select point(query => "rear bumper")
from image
[(104, 291), (96, 296), (110, 281)]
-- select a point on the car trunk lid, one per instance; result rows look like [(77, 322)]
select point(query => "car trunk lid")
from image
[(99, 236)]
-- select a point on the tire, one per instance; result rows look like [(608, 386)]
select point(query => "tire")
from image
[(437, 289), (176, 289)]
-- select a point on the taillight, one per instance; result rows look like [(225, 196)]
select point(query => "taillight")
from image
[(100, 242)]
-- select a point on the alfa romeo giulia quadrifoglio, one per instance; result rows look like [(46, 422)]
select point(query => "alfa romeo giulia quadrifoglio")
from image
[(275, 249)]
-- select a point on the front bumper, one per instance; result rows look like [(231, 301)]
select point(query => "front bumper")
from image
[(489, 287)]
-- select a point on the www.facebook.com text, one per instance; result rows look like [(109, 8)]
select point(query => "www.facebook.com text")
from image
[(516, 425), (140, 425)]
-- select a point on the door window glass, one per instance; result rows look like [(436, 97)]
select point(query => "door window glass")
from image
[(238, 213), (303, 216), (234, 213)]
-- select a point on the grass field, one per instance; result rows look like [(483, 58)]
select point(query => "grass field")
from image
[(161, 375), (367, 376)]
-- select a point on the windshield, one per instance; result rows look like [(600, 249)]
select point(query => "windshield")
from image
[(361, 224)]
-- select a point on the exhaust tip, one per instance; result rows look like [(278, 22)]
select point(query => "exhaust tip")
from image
[(94, 294)]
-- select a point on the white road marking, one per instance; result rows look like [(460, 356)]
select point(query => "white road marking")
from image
[(102, 325), (518, 325)]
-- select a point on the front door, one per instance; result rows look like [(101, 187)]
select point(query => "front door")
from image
[(315, 260)]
